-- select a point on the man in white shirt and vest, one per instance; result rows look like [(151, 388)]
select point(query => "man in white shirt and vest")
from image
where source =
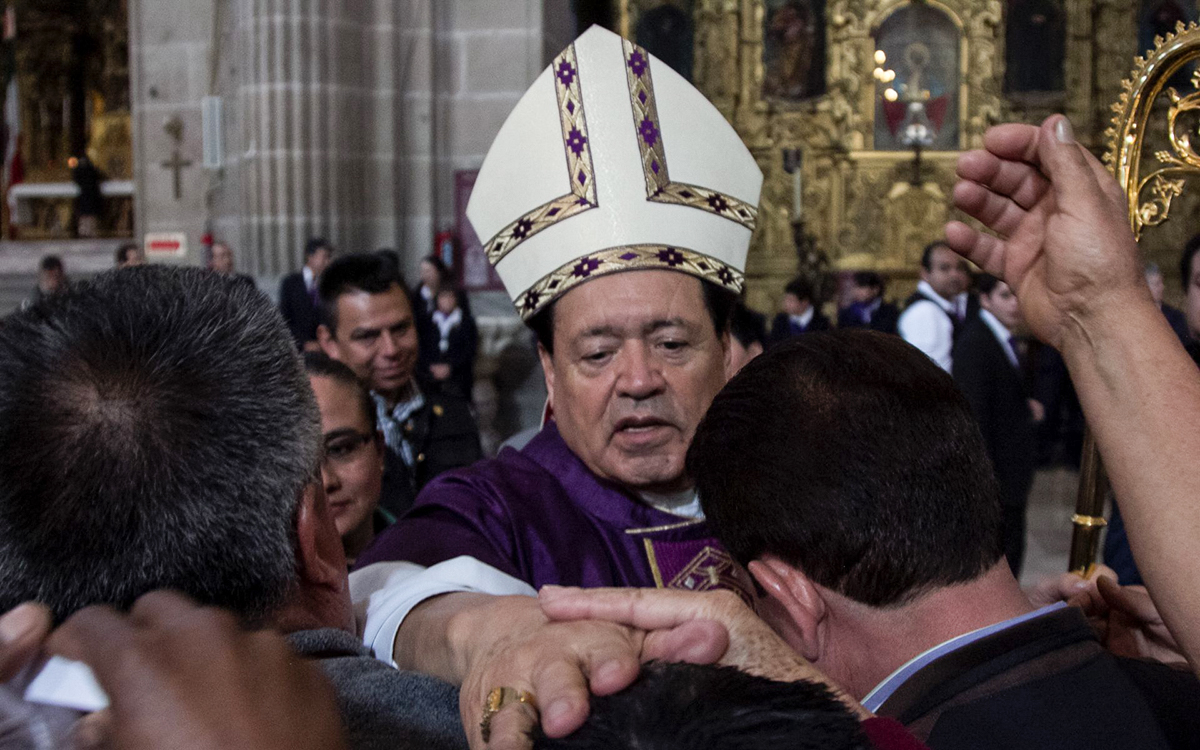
[(931, 319)]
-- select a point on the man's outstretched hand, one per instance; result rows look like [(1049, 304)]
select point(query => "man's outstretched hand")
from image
[(507, 642), (23, 630), (183, 676), (1062, 240), (752, 646)]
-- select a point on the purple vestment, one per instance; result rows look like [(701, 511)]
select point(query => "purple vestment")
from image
[(540, 515)]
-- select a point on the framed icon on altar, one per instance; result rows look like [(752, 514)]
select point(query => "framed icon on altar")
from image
[(793, 49), (665, 28), (919, 49)]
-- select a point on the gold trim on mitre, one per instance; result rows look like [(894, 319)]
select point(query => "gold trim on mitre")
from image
[(580, 171), (659, 187), (627, 258)]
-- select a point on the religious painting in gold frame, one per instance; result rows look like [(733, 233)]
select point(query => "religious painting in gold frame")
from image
[(921, 45), (793, 49), (665, 28)]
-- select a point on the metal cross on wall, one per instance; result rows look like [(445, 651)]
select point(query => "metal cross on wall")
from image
[(177, 163), (174, 128)]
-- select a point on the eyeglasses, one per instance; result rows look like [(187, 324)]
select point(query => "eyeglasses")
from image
[(345, 445)]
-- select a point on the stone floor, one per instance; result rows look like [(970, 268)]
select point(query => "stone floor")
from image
[(1048, 540)]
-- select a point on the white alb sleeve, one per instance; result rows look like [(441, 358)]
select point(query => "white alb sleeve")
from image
[(384, 593)]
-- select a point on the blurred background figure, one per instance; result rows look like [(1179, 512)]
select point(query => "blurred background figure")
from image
[(220, 261), (930, 320), (748, 335), (89, 204), (800, 313), (299, 299), (869, 309), (433, 275), (1174, 316), (966, 302), (1190, 278), (129, 255), (448, 344), (52, 280), (988, 369)]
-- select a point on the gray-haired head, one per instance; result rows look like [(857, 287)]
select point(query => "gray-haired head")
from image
[(156, 431)]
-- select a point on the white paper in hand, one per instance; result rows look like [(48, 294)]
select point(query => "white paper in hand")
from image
[(67, 683)]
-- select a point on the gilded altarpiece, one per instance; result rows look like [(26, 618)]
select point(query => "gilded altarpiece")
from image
[(863, 207)]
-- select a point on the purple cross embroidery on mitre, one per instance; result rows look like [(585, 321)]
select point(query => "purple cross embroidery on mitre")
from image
[(649, 131), (576, 141), (521, 230), (566, 73), (637, 64), (585, 267), (531, 300), (718, 203), (725, 276), (671, 257)]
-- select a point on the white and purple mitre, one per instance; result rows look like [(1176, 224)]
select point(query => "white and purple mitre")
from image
[(613, 162)]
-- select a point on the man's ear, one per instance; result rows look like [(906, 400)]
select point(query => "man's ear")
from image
[(726, 339), (793, 605), (320, 557), (327, 342), (547, 360)]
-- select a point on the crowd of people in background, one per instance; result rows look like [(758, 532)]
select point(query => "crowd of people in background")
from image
[(721, 536), (967, 323)]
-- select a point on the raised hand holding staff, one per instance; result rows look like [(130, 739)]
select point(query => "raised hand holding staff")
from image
[(1062, 242)]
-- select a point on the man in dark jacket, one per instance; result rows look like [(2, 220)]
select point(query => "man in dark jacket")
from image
[(182, 389), (989, 371), (800, 313), (869, 309), (369, 326), (299, 300), (861, 498)]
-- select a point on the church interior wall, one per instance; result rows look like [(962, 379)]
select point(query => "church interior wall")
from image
[(346, 120)]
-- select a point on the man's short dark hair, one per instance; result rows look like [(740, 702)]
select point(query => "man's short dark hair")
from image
[(851, 456), (985, 283), (718, 300), (156, 431), (123, 252), (927, 253), (372, 273), (314, 244), (1187, 259), (748, 326), (687, 706), (800, 288), (320, 364), (51, 263), (868, 280)]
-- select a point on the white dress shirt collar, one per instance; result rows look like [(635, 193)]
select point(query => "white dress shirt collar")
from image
[(1002, 334), (924, 288)]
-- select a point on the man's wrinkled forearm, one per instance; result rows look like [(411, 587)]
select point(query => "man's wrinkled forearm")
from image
[(449, 634)]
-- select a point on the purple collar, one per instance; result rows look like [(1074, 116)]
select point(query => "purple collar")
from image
[(604, 500)]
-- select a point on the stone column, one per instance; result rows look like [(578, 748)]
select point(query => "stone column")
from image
[(297, 89)]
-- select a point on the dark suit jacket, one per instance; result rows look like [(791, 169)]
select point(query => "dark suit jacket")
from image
[(885, 320), (463, 343), (782, 328), (1047, 683), (298, 310), (996, 391), (444, 436)]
